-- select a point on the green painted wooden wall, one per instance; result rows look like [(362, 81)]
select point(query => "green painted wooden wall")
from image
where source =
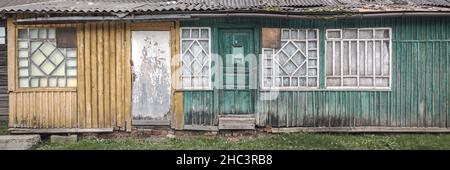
[(420, 95)]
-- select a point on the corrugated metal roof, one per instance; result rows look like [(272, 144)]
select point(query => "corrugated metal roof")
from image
[(100, 6)]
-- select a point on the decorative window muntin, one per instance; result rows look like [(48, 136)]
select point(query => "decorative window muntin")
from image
[(295, 65), (41, 64), (349, 56), (196, 57)]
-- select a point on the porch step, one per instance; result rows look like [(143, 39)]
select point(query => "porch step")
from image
[(237, 122)]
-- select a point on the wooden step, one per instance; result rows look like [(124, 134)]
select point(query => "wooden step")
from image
[(237, 122)]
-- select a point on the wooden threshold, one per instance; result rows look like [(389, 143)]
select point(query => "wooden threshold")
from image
[(367, 129), (63, 130), (150, 123)]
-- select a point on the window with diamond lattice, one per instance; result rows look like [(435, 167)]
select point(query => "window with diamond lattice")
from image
[(42, 63), (196, 58), (295, 64)]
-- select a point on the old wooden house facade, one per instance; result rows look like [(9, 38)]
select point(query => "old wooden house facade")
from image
[(283, 65)]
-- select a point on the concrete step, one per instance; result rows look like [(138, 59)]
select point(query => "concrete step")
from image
[(19, 142)]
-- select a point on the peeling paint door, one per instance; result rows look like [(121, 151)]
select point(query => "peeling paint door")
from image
[(151, 76)]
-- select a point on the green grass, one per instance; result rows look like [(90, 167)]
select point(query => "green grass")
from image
[(3, 128), (271, 142)]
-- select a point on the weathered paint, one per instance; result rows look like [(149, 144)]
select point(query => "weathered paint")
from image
[(419, 96)]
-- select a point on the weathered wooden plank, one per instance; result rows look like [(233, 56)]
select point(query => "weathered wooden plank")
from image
[(106, 77), (112, 73), (81, 99), (11, 54), (88, 89), (12, 110), (127, 81), (94, 71), (119, 80), (151, 123), (366, 129), (59, 130), (201, 128), (101, 104)]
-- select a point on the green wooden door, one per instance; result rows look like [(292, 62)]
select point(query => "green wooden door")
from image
[(237, 97)]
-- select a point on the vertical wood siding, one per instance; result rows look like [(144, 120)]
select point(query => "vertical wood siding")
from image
[(104, 88), (420, 95)]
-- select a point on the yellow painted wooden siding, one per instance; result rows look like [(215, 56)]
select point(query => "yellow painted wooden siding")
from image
[(43, 109), (102, 98), (104, 80)]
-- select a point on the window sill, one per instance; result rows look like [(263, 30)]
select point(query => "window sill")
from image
[(46, 90)]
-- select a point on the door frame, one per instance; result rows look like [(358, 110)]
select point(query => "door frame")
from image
[(161, 26)]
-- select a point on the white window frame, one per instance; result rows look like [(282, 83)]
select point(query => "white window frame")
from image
[(275, 51), (182, 87), (358, 40)]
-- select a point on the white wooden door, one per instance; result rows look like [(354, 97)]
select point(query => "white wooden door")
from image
[(151, 76)]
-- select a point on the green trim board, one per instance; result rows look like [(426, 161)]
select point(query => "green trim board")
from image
[(420, 75)]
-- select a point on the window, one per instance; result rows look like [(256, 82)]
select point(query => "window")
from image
[(358, 58), (42, 63), (2, 35), (196, 58), (295, 64)]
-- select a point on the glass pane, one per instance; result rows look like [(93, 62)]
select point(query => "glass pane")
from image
[(23, 63), (71, 72), (35, 45), (2, 41), (23, 53), (52, 33), (52, 82), (2, 32), (33, 33), (312, 34), (350, 33), (38, 58), (72, 63), (72, 53), (382, 82), (35, 71), (205, 45), (334, 34), (71, 82), (382, 33), (205, 33), (43, 33), (333, 82), (366, 82), (365, 34), (294, 34), (337, 57), (47, 67), (23, 44), (268, 82), (312, 45), (43, 82), (60, 71), (294, 81), (23, 73), (62, 82), (56, 57), (34, 82), (47, 48), (329, 58), (23, 82), (195, 33), (185, 33), (386, 58), (302, 34), (285, 34), (312, 62), (185, 44), (312, 82), (23, 34), (312, 72), (195, 48), (350, 82)]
